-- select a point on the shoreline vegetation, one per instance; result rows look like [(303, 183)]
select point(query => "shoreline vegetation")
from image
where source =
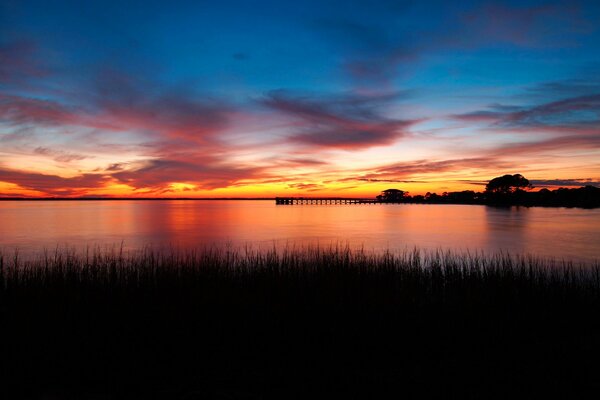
[(221, 323), (583, 197), (503, 191)]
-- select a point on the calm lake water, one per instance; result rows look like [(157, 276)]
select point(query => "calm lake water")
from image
[(555, 232)]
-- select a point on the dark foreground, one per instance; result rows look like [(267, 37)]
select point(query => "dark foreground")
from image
[(315, 323)]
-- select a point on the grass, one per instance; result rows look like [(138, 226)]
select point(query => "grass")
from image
[(296, 323)]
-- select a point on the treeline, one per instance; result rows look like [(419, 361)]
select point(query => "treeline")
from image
[(505, 190), (584, 197)]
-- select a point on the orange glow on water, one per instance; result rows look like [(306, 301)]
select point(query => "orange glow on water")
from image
[(552, 232)]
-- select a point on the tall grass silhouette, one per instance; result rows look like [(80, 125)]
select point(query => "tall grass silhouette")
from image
[(296, 323)]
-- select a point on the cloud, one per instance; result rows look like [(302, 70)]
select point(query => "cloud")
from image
[(175, 124), (565, 182), (304, 161), (585, 85), (559, 144), (389, 180), (348, 122), (404, 169), (575, 114), (115, 167), (309, 187), (404, 172), (19, 110), (59, 155), (52, 184), (575, 111), (175, 112), (119, 102), (160, 173)]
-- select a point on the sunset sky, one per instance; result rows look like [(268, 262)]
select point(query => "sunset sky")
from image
[(259, 98)]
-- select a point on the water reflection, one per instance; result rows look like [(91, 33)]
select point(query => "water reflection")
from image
[(506, 228), (557, 232)]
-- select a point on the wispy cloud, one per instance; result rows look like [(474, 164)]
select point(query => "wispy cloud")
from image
[(565, 182), (556, 144), (347, 122), (576, 112), (309, 187), (19, 110), (419, 171), (59, 155), (133, 103)]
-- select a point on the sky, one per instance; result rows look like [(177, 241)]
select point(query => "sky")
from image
[(277, 98)]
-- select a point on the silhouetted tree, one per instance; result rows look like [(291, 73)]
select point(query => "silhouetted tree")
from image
[(507, 184), (392, 195)]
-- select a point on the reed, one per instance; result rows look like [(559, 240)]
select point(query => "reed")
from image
[(296, 323)]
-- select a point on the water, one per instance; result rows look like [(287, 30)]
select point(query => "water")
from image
[(562, 233)]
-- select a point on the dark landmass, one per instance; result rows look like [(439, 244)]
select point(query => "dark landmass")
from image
[(328, 323), (584, 197), (505, 190)]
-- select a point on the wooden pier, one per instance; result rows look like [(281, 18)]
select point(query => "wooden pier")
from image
[(321, 200)]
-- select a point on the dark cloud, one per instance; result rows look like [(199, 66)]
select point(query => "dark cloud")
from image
[(115, 167), (583, 110), (344, 122), (52, 184), (565, 182), (576, 113)]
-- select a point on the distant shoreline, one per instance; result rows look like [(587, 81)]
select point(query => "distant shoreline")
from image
[(128, 198), (408, 201)]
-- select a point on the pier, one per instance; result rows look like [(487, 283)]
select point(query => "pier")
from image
[(322, 200)]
